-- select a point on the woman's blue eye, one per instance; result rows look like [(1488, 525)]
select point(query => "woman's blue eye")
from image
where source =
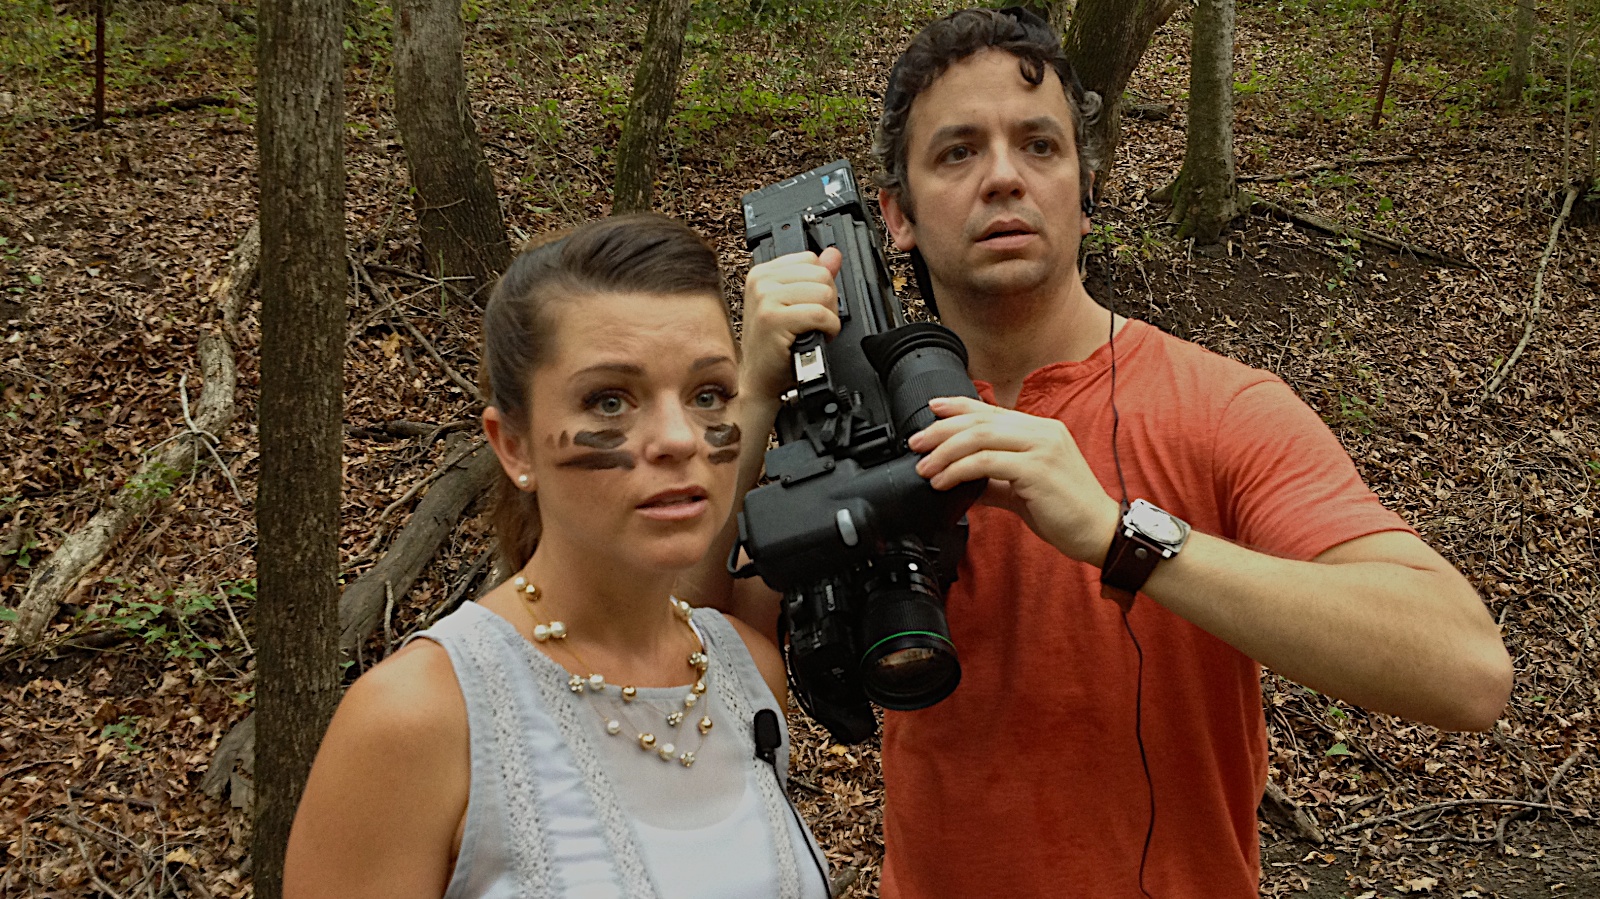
[(610, 404), (711, 398)]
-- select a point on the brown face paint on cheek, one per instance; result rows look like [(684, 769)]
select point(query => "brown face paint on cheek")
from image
[(601, 461), (723, 435), (600, 440), (606, 455), (565, 439)]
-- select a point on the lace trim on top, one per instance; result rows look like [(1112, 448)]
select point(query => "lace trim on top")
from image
[(529, 837)]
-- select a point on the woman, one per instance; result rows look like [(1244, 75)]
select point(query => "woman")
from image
[(577, 731)]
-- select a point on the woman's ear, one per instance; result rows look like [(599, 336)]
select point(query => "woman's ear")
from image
[(514, 452)]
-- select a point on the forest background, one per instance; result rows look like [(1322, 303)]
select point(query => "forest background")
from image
[(1450, 343)]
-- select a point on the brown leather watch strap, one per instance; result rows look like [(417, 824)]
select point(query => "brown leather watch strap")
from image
[(1129, 562)]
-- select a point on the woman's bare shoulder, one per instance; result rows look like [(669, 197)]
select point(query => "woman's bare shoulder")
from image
[(412, 695)]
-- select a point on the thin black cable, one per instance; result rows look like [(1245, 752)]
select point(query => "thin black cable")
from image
[(822, 871), (1144, 760), (1116, 418), (1138, 690)]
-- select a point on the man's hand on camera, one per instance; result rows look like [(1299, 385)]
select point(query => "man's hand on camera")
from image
[(1034, 468), (784, 298)]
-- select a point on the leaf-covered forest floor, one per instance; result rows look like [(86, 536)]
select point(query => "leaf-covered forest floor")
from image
[(112, 237)]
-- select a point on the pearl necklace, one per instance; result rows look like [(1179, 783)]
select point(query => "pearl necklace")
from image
[(555, 633)]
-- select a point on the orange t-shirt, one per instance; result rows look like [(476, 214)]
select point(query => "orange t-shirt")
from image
[(1027, 781)]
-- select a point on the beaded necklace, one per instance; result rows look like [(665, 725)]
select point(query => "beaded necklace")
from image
[(594, 684)]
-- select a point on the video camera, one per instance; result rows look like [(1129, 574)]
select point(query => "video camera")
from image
[(861, 546)]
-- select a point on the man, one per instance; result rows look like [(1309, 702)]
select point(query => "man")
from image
[(1106, 440)]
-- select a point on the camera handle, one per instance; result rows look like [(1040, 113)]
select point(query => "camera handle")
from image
[(806, 351)]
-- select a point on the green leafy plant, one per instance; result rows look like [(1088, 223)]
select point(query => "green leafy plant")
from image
[(155, 482), (168, 618), (125, 729)]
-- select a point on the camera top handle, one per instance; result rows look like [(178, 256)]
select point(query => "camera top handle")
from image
[(813, 211)]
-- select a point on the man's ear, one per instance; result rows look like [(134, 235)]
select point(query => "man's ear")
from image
[(901, 228), (512, 450)]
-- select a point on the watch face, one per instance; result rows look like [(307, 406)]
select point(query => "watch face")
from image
[(1154, 523)]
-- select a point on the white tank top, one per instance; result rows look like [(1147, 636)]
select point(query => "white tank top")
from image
[(559, 808)]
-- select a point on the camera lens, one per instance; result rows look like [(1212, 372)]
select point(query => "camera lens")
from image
[(910, 662)]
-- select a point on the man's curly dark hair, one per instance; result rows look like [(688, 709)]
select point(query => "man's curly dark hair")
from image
[(956, 37)]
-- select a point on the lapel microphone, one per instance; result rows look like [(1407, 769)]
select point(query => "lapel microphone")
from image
[(768, 736)]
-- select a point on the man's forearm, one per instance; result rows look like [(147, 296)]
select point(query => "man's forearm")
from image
[(1375, 622)]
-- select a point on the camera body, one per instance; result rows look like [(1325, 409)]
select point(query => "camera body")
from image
[(861, 546)]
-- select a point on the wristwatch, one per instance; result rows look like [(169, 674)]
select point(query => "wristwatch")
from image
[(1148, 534)]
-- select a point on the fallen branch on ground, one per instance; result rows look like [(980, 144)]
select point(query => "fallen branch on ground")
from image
[(379, 531), (467, 387), (1278, 801), (392, 429), (1540, 795), (87, 547), (1449, 804), (361, 606), (1331, 166), (1538, 295), (1329, 226)]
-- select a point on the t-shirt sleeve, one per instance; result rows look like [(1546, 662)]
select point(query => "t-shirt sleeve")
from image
[(1286, 486)]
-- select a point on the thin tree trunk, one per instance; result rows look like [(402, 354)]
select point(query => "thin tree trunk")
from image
[(1105, 40), (300, 135), (655, 89), (1205, 198), (1517, 79), (457, 208), (1388, 60), (100, 63)]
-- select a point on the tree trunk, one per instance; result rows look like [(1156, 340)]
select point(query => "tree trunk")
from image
[(655, 89), (1105, 40), (1205, 198), (457, 209), (1395, 29), (1517, 79), (1059, 15), (100, 63), (301, 140)]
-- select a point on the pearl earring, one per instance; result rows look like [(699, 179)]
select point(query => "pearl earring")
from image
[(522, 481)]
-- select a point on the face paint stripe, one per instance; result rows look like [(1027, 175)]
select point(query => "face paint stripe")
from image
[(601, 461), (724, 456), (600, 440), (722, 435)]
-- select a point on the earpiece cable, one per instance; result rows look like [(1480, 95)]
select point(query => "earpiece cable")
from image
[(1138, 694)]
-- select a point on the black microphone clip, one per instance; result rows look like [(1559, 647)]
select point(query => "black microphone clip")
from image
[(768, 736)]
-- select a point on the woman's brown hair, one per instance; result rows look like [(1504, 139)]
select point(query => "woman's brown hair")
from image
[(643, 253)]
